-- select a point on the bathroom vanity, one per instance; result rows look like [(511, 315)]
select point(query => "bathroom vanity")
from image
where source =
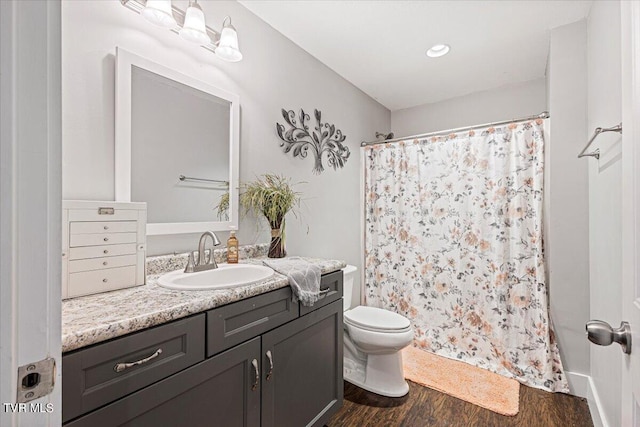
[(255, 359)]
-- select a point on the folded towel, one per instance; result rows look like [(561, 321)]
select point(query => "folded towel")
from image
[(304, 277)]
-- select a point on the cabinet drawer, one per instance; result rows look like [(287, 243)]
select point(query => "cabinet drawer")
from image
[(331, 290), (101, 251), (94, 215), (108, 279), (95, 239), (234, 323), (90, 379), (101, 263), (103, 227)]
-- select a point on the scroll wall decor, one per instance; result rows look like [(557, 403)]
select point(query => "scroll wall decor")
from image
[(324, 139)]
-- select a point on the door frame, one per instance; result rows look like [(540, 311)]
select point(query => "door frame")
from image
[(31, 203), (630, 35)]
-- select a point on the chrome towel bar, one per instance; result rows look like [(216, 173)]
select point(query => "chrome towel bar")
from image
[(598, 131), (217, 181)]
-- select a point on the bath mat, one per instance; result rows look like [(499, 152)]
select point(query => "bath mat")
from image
[(458, 379)]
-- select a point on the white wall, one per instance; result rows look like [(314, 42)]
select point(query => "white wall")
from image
[(504, 103), (567, 245), (605, 198), (274, 74)]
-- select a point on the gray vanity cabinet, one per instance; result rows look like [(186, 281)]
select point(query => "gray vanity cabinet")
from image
[(221, 391), (302, 370), (255, 362)]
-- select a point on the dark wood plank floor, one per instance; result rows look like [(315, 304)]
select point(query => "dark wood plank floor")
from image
[(424, 407)]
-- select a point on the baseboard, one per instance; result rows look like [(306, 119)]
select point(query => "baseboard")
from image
[(578, 383), (582, 386), (595, 406)]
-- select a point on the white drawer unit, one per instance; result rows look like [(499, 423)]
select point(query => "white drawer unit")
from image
[(103, 246)]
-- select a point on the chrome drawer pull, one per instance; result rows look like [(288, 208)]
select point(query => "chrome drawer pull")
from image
[(270, 357), (254, 386), (123, 366), (323, 292)]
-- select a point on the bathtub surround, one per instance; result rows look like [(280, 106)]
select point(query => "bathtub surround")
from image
[(454, 242)]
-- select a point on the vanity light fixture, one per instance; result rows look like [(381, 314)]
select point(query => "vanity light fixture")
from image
[(159, 13), (228, 45), (438, 50), (190, 26), (194, 29)]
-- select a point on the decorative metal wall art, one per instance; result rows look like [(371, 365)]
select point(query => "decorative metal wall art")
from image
[(324, 139)]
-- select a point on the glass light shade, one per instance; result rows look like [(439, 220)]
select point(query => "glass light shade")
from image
[(159, 13), (228, 46), (194, 29)]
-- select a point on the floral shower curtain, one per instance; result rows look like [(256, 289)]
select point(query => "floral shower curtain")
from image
[(454, 243)]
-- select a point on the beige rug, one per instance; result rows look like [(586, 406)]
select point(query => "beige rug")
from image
[(461, 380)]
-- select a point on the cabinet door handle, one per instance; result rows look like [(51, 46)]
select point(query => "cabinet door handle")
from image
[(254, 386), (270, 372), (123, 366)]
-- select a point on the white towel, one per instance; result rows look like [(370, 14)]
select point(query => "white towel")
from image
[(304, 277)]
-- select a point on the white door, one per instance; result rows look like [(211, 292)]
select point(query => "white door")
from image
[(630, 14), (30, 213)]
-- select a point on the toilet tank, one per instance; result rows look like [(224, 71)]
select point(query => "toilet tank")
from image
[(350, 286)]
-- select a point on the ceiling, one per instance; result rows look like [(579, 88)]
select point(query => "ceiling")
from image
[(380, 46)]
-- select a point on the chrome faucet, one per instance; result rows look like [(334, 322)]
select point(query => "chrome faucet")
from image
[(203, 263)]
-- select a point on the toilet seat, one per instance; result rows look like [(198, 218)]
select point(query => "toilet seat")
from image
[(376, 320)]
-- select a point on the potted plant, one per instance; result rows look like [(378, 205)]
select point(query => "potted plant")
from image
[(271, 196)]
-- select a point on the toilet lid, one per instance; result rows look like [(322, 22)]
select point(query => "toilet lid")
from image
[(376, 319)]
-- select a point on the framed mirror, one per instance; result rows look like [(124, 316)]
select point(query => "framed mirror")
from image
[(176, 147)]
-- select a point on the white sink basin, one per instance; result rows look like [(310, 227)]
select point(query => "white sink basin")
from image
[(224, 277)]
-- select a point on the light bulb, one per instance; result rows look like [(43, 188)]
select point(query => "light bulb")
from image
[(194, 29), (159, 13)]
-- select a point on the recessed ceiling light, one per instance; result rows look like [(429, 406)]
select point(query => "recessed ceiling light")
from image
[(438, 50)]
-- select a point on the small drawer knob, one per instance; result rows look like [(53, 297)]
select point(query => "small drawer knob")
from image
[(106, 251), (106, 239), (106, 227), (105, 280), (104, 263)]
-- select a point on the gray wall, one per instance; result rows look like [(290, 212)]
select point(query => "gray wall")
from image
[(504, 103), (567, 242), (605, 197), (274, 74)]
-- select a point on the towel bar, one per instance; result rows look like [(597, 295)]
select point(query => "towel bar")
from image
[(598, 131)]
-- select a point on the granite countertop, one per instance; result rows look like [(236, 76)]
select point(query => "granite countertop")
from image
[(95, 318)]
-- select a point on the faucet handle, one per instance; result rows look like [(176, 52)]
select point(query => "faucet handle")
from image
[(190, 264)]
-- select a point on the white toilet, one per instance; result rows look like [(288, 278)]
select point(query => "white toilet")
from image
[(373, 338)]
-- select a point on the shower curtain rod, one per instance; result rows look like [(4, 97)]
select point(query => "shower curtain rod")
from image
[(543, 115)]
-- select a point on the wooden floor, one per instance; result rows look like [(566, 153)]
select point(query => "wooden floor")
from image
[(424, 407)]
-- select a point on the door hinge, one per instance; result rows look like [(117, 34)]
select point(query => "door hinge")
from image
[(36, 380)]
